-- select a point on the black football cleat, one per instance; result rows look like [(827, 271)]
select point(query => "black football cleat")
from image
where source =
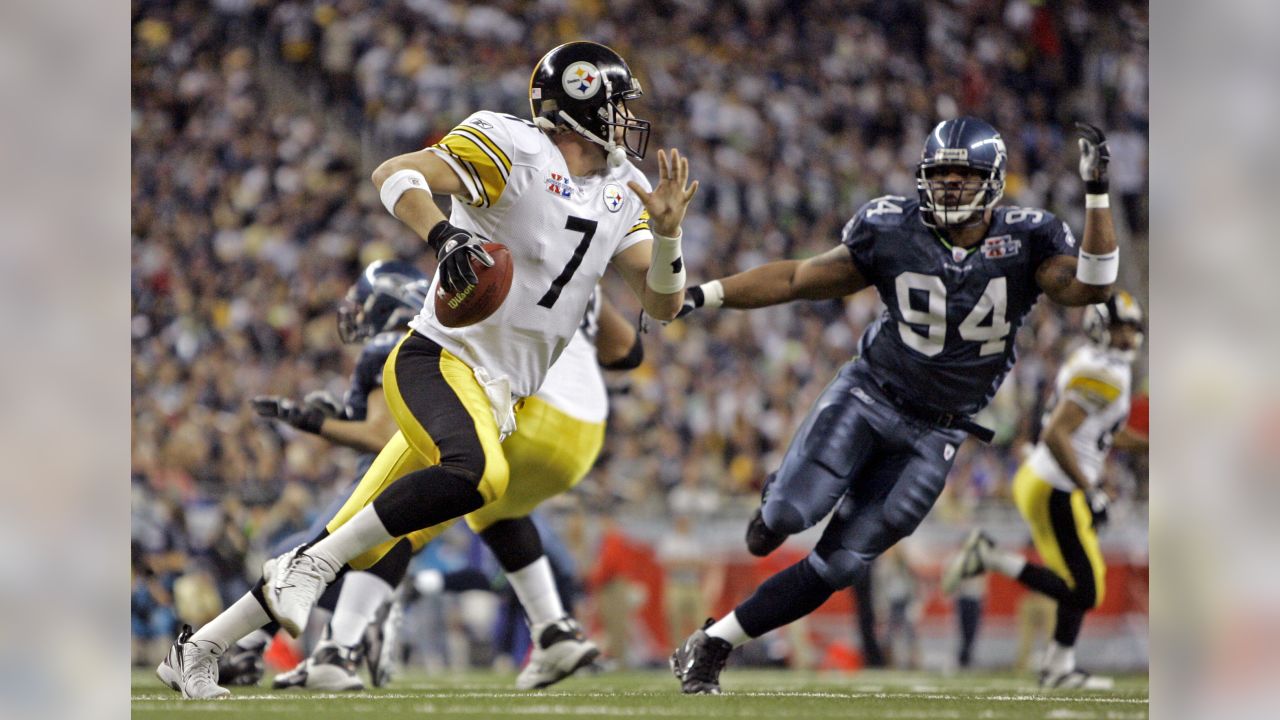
[(760, 539), (698, 661), (241, 666)]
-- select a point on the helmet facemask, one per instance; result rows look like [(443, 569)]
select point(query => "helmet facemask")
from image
[(612, 116), (983, 186)]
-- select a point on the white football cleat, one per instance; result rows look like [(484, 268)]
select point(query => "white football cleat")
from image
[(969, 562), (1075, 679), (559, 650), (293, 583), (333, 668), (295, 678), (382, 640), (191, 668)]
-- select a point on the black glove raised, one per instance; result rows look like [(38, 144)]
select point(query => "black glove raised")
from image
[(307, 418), (1094, 157), (454, 249)]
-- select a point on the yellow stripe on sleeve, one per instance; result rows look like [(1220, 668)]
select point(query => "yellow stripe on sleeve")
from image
[(642, 224), (1093, 389), (487, 167)]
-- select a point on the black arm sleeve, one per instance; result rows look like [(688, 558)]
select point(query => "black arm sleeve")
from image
[(631, 360)]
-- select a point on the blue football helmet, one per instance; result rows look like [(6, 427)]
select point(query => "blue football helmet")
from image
[(387, 296), (969, 143)]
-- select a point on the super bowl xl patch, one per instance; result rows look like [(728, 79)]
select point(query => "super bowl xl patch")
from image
[(1000, 247)]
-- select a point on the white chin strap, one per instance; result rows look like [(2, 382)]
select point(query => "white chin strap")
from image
[(616, 153)]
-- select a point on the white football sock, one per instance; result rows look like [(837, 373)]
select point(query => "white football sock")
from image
[(362, 532), (362, 594), (730, 630), (255, 640), (1060, 659), (535, 586), (1006, 564), (243, 617)]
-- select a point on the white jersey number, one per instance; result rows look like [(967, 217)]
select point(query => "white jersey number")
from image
[(993, 303)]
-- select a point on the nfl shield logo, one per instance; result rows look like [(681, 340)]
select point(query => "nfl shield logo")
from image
[(613, 198), (958, 254)]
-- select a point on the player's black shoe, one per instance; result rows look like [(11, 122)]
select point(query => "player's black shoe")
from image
[(698, 661), (760, 539), (240, 666)]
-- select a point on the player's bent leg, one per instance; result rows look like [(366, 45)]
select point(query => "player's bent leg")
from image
[(833, 442), (444, 415)]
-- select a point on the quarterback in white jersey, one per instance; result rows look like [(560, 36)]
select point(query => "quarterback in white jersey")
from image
[(562, 231), (1056, 489), (452, 391)]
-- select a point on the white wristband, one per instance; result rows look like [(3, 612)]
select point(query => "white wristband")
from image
[(1098, 269), (712, 294), (1098, 201), (401, 182), (666, 266)]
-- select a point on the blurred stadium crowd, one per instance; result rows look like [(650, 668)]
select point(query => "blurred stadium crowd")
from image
[(255, 125)]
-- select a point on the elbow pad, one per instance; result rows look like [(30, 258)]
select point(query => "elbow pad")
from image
[(631, 360)]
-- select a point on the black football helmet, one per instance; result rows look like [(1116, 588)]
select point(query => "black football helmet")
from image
[(386, 297), (585, 86), (965, 142)]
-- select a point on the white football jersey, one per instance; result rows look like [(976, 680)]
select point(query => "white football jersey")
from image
[(1099, 382), (574, 384), (562, 232)]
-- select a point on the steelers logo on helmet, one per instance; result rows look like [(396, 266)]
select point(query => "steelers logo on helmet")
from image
[(613, 198), (581, 80)]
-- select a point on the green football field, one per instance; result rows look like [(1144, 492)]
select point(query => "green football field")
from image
[(654, 694)]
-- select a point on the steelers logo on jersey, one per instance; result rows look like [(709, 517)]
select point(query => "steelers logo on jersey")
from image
[(613, 198), (581, 80)]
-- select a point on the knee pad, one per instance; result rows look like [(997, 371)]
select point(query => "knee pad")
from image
[(839, 567)]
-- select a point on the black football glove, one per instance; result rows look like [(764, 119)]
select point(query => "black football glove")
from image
[(325, 402), (1094, 157), (694, 298), (454, 249), (307, 418), (1098, 503)]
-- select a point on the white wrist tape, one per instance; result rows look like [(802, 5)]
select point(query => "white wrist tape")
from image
[(666, 266), (401, 182), (1098, 201), (712, 294), (1098, 269)]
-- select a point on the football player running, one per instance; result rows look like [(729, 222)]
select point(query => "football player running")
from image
[(377, 310), (957, 275), (561, 194), (1057, 489)]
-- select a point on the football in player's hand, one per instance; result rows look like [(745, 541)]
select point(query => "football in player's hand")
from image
[(476, 302)]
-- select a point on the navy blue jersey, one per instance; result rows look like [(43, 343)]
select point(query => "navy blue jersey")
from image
[(945, 340), (367, 376)]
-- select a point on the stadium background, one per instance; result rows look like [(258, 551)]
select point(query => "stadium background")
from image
[(255, 125)]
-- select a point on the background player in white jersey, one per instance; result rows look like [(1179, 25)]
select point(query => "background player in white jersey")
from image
[(554, 190), (1057, 489)]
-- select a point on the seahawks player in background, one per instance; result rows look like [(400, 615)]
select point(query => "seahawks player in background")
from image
[(1057, 489), (377, 310), (957, 275)]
